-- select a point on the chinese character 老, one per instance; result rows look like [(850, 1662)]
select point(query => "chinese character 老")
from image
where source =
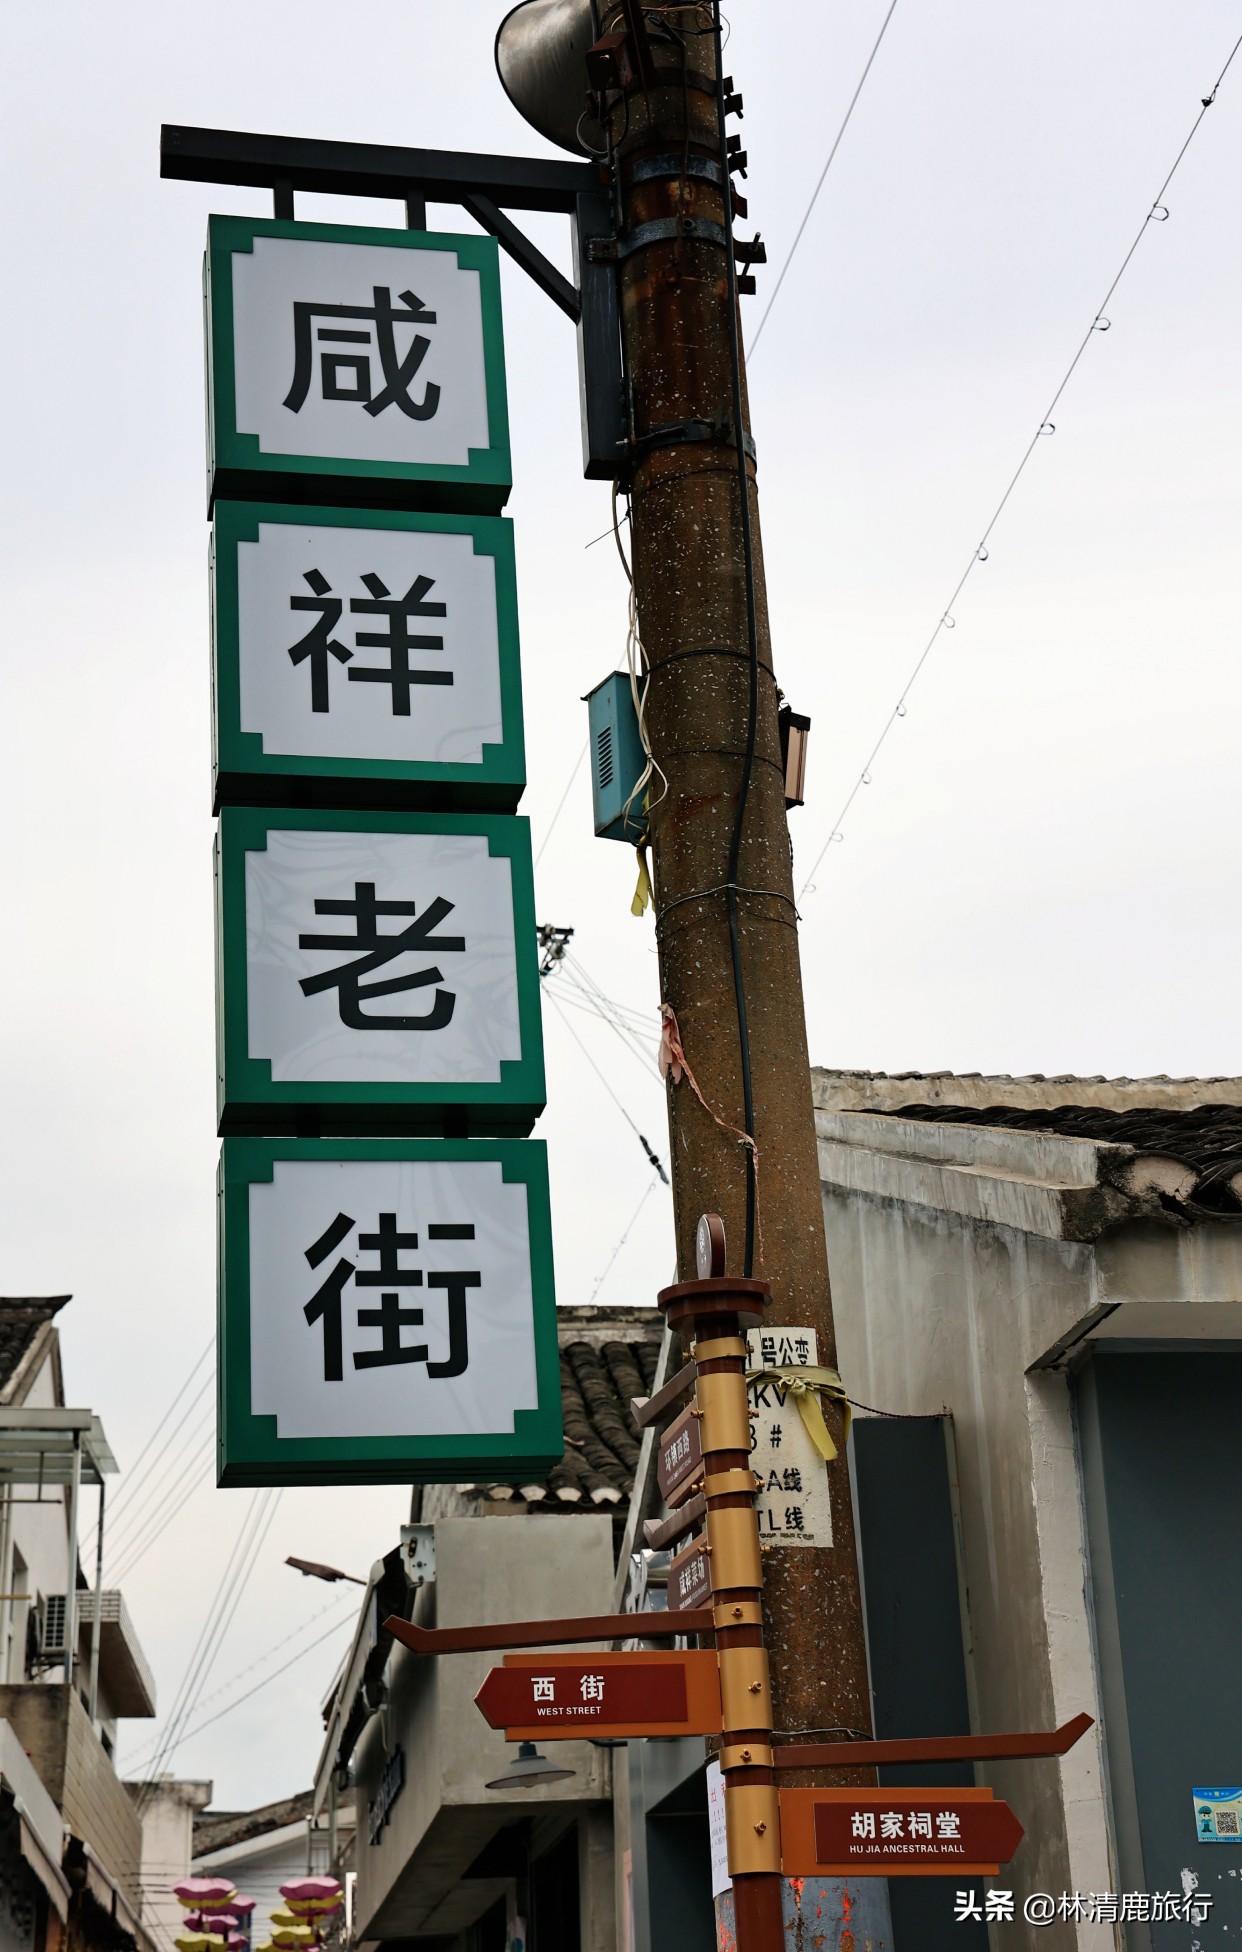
[(418, 937), (348, 375), (388, 1245), (592, 1686)]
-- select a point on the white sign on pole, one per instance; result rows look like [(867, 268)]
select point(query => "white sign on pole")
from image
[(368, 643), (361, 351), (792, 1498), (717, 1834), (381, 958), (390, 1297)]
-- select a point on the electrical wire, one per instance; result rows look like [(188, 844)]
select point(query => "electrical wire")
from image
[(560, 805), (136, 1477), (628, 1035), (233, 1582), (1157, 213), (195, 1478), (268, 1678), (137, 1516), (652, 1156), (651, 1186), (752, 634), (334, 1606), (822, 177)]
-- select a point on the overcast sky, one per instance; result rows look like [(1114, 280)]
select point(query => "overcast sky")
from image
[(1041, 875)]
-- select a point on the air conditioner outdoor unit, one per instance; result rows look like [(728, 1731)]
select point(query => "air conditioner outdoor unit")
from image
[(50, 1624)]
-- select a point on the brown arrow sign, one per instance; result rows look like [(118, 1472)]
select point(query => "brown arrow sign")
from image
[(896, 1832), (679, 1460), (619, 1695)]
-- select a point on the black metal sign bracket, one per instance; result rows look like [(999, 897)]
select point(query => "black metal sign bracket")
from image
[(485, 186)]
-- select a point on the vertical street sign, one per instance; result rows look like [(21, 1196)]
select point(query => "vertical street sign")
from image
[(386, 1312), (377, 968), (690, 1577), (364, 659), (355, 365)]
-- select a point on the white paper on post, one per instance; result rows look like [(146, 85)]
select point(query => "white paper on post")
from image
[(717, 1834), (455, 1024), (349, 294), (792, 1499), (338, 712), (306, 1202)]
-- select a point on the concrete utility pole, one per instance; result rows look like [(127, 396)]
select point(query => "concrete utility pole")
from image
[(724, 902)]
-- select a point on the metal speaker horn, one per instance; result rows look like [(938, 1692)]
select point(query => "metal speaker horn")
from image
[(541, 49)]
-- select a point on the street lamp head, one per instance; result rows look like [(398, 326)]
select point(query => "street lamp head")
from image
[(311, 1569), (541, 49), (528, 1769)]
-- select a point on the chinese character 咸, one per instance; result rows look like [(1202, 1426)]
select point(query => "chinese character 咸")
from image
[(348, 375)]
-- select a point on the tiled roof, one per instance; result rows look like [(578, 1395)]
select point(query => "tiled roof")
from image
[(22, 1317), (607, 1356)]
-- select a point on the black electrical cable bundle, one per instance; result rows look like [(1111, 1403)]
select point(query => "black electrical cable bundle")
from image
[(752, 631)]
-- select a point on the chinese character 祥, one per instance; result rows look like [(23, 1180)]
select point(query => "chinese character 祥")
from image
[(544, 1687), (791, 1479), (592, 1686), (388, 1245), (794, 1521), (999, 1907), (948, 1823), (920, 1823), (396, 638), (348, 375), (892, 1823), (418, 937), (966, 1905), (319, 643), (862, 1823)]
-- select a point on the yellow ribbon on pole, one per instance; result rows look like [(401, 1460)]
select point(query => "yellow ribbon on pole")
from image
[(642, 893), (806, 1383)]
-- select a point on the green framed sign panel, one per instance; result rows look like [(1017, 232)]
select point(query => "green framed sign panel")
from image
[(386, 1312), (376, 972), (354, 365), (363, 658)]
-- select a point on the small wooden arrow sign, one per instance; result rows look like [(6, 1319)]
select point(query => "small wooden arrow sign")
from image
[(690, 1578), (896, 1832), (679, 1459), (560, 1696)]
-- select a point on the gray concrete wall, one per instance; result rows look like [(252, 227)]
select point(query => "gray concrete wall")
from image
[(935, 1313), (532, 1568), (55, 1731)]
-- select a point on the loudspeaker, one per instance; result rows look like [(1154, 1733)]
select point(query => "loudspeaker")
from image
[(541, 49)]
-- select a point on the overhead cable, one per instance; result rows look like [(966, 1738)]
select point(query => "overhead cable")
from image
[(1157, 214), (652, 1156), (822, 178), (630, 1224)]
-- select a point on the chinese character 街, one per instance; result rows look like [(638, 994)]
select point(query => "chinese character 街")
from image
[(390, 1318), (396, 638), (415, 939), (592, 1687), (348, 376)]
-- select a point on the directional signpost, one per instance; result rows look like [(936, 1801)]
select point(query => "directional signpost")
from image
[(896, 1833), (617, 1695)]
